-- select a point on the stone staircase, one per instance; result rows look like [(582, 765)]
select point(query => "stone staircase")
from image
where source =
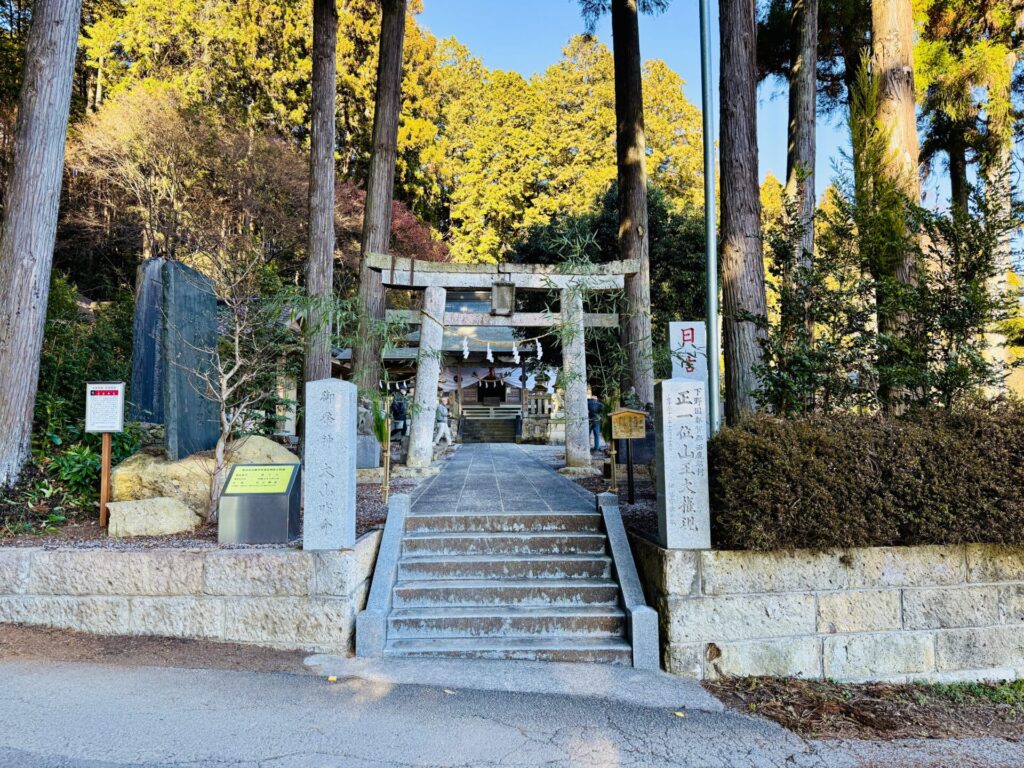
[(499, 561), (511, 585)]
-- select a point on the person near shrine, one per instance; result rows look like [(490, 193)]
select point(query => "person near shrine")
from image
[(595, 408), (443, 430)]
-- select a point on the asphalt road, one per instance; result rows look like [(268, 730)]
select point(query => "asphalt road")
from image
[(100, 716)]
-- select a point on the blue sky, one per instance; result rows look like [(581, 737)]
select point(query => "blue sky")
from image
[(527, 36)]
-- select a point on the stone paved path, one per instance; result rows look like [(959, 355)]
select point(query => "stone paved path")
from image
[(499, 477)]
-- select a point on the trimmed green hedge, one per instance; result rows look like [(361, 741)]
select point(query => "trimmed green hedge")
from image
[(860, 481)]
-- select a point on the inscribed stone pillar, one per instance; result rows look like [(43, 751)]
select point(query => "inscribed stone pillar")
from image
[(190, 336), (147, 388), (574, 366), (329, 465), (428, 372), (680, 428)]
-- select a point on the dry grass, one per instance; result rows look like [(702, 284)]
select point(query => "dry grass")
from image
[(817, 709)]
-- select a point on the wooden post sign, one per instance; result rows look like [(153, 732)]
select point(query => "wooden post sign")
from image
[(104, 413), (628, 424)]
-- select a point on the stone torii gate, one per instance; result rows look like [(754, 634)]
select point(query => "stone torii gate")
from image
[(435, 278)]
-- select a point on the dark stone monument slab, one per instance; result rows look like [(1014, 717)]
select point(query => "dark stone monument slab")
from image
[(189, 337), (367, 452), (146, 395), (259, 505)]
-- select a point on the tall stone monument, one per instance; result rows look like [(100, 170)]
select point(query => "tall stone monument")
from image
[(329, 465), (191, 416), (174, 335), (147, 386), (681, 440)]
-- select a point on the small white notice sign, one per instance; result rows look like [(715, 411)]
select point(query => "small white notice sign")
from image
[(104, 406)]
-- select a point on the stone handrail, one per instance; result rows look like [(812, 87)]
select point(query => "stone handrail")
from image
[(371, 624), (641, 619)]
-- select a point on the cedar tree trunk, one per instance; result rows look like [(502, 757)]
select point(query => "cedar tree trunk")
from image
[(631, 155), (892, 49), (380, 187), (743, 293), (803, 90), (958, 171), (320, 268), (30, 220)]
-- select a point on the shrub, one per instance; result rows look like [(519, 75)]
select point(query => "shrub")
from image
[(79, 469), (931, 477)]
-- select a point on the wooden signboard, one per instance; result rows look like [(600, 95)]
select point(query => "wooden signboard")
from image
[(104, 413), (628, 424)]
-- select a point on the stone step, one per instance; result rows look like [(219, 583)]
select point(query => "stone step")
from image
[(516, 567), (450, 622), (418, 544), (520, 592), (579, 650), (504, 522)]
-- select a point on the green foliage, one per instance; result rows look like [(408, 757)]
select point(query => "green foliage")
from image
[(1009, 693), (78, 469), (817, 352), (592, 10), (676, 239), (80, 345), (853, 329), (381, 416), (513, 154), (845, 480)]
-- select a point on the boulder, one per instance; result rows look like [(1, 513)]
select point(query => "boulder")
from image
[(150, 517), (144, 476)]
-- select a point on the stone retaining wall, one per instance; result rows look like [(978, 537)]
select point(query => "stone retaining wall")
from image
[(279, 597), (885, 613)]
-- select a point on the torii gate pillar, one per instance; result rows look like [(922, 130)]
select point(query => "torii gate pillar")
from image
[(574, 366), (428, 372)]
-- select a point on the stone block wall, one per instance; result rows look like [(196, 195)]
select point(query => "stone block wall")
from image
[(884, 613), (278, 597)]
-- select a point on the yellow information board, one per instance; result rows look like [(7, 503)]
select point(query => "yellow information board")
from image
[(260, 479), (628, 424)]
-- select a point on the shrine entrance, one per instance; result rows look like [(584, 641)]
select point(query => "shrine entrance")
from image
[(474, 344)]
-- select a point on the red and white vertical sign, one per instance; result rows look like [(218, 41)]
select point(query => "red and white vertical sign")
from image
[(104, 406)]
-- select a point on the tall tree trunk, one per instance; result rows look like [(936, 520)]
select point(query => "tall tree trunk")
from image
[(800, 157), (958, 171), (892, 49), (30, 220), (998, 168), (892, 52), (743, 293), (380, 189), (631, 156), (320, 267), (998, 172)]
